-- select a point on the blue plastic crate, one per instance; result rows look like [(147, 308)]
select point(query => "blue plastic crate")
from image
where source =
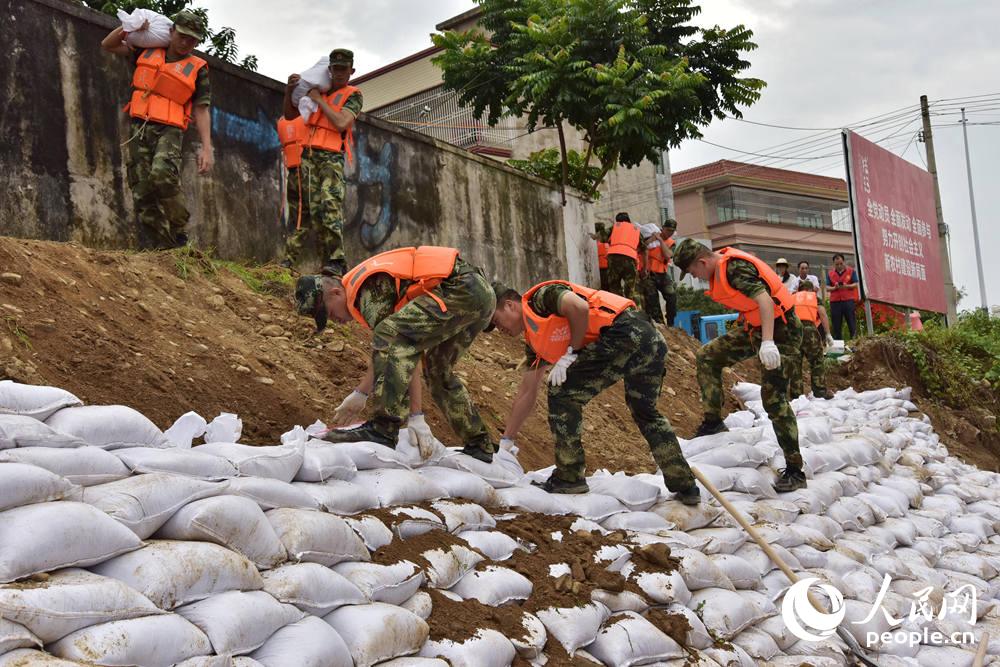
[(714, 326), (687, 320)]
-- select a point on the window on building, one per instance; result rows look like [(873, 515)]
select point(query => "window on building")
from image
[(774, 218)]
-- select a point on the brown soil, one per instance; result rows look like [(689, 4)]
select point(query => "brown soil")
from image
[(458, 621), (675, 626), (412, 549)]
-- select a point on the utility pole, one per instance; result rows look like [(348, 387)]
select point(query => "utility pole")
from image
[(975, 224), (949, 284)]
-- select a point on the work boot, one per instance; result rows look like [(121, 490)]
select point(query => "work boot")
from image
[(555, 485), (710, 427), (180, 240), (334, 268), (826, 393), (690, 496), (477, 452), (364, 433), (792, 479), (286, 263)]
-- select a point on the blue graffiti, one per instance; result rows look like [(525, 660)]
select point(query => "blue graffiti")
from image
[(375, 173), (258, 132)]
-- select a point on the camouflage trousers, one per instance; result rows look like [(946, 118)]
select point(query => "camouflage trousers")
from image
[(154, 176), (652, 287), (293, 194), (813, 352), (632, 349), (422, 329), (738, 345), (622, 275), (604, 279), (322, 182)]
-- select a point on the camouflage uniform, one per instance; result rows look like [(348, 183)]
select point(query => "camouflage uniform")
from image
[(622, 275), (654, 285), (323, 187), (154, 174), (813, 351), (292, 196), (632, 349), (421, 328), (737, 345)]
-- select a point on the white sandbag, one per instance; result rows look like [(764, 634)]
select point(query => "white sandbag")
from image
[(419, 603), (378, 632), (372, 531), (495, 474), (70, 599), (26, 657), (725, 613), (574, 627), (825, 525), (686, 517), (226, 427), (145, 29), (660, 587), (322, 461), (153, 641), (630, 492), (721, 540), (372, 456), (306, 643), (281, 462), (340, 497), (757, 643), (242, 661), (779, 632), (33, 400), (174, 573), (945, 656), (238, 622), (461, 484), (14, 636), (460, 517), (746, 392), (968, 563), (409, 522), (970, 523), (182, 432), (85, 466), (23, 431), (739, 572), (620, 601), (697, 635), (272, 494), (494, 544), (531, 644), (593, 506), (629, 639), (317, 76), (449, 565), (531, 499), (731, 656), (24, 484), (413, 662), (487, 648), (143, 503), (493, 586), (699, 571), (234, 522), (739, 419), (108, 426), (187, 462), (643, 522), (48, 536), (754, 555), (399, 487), (311, 587), (721, 478), (392, 584), (731, 456), (317, 537)]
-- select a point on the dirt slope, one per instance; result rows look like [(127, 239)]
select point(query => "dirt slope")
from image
[(126, 328)]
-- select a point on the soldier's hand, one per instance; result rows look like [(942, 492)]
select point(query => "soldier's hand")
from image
[(352, 406), (315, 95), (293, 80), (145, 25), (507, 444), (420, 435), (770, 358), (558, 373), (829, 341), (206, 158)]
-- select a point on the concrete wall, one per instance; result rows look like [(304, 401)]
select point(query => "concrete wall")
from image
[(62, 174)]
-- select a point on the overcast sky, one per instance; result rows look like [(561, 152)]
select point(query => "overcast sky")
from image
[(828, 63)]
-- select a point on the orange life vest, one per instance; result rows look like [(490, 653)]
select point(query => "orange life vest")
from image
[(722, 292), (657, 260), (162, 91), (846, 279), (292, 133), (549, 336), (807, 306), (321, 132), (624, 240), (602, 255), (426, 266)]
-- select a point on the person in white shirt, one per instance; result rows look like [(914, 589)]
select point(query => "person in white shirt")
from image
[(790, 280), (805, 275)]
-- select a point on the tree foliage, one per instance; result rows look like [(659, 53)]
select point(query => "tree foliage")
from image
[(634, 77), (219, 43), (547, 164)]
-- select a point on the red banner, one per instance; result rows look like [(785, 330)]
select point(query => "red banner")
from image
[(895, 225)]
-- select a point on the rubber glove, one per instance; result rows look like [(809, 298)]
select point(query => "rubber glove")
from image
[(507, 444), (420, 434), (829, 341), (769, 355), (352, 406), (558, 373)]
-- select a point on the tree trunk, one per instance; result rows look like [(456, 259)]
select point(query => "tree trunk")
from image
[(565, 161)]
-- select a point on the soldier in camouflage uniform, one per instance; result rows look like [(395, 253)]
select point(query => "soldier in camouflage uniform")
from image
[(322, 168), (623, 272), (811, 313), (749, 281), (154, 148), (628, 347), (600, 236), (659, 283), (420, 329)]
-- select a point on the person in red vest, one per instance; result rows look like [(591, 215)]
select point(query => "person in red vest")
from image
[(767, 328), (843, 288), (169, 87), (424, 302), (329, 140), (812, 314), (591, 339), (292, 133), (623, 257), (601, 236)]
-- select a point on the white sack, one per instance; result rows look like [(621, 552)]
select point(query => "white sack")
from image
[(281, 462), (629, 639), (461, 484), (686, 517), (372, 532), (311, 587), (23, 431), (496, 474), (419, 603), (740, 572), (14, 636), (26, 657), (306, 643), (372, 456), (317, 537), (413, 521), (593, 506), (108, 426), (23, 484), (493, 586), (487, 648), (494, 544), (151, 641), (630, 492), (399, 487), (226, 427), (156, 34), (85, 466), (238, 622), (574, 627), (33, 400), (188, 426), (448, 565), (531, 499), (190, 463), (642, 522), (699, 571), (340, 497), (464, 516), (317, 76), (324, 460), (757, 643), (377, 632), (271, 493), (392, 584), (724, 613), (660, 587)]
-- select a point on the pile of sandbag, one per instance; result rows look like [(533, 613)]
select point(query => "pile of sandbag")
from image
[(124, 545)]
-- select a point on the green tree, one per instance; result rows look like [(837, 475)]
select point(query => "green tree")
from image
[(634, 77), (547, 164), (219, 43)]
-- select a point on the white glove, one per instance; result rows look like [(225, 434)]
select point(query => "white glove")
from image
[(769, 355), (829, 341), (558, 373), (507, 444), (349, 410), (420, 434)]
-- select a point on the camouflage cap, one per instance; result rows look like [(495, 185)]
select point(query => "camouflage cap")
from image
[(191, 24), (309, 300), (686, 252), (341, 57), (670, 223), (499, 289)]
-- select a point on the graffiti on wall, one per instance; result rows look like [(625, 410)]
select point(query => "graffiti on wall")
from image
[(259, 132), (373, 181)]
